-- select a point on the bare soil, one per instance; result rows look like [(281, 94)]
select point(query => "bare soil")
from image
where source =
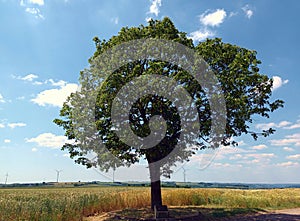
[(277, 215), (200, 214)]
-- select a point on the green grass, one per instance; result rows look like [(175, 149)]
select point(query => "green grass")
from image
[(57, 204)]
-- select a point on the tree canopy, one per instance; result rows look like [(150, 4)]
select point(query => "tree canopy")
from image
[(246, 93)]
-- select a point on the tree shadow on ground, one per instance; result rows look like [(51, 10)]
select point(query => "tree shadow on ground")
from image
[(198, 214), (264, 217)]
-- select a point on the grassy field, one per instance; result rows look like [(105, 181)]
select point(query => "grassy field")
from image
[(75, 203)]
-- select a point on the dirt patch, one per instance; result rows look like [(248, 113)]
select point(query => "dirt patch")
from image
[(201, 214), (184, 214), (276, 215)]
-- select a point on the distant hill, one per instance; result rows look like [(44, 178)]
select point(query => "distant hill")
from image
[(164, 184)]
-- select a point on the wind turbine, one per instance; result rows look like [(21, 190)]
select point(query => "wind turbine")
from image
[(57, 174), (183, 170), (184, 174), (105, 176), (6, 177)]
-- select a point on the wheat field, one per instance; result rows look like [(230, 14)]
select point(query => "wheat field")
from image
[(57, 204)]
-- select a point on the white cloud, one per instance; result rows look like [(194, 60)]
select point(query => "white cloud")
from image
[(293, 157), (208, 19), (55, 97), (201, 35), (37, 2), (21, 98), (2, 125), (261, 155), (293, 139), (22, 3), (222, 165), (256, 158), (282, 124), (28, 4), (29, 77), (7, 141), (259, 147), (231, 14), (154, 7), (59, 83), (34, 149), (265, 126), (14, 125), (148, 19), (48, 140), (236, 157), (289, 149), (288, 164), (2, 99), (248, 12), (36, 12), (213, 19), (115, 20), (278, 82), (293, 126)]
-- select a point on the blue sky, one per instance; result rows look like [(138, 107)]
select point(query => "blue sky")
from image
[(44, 45)]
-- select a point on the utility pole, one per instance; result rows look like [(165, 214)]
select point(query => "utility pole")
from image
[(57, 174), (6, 177)]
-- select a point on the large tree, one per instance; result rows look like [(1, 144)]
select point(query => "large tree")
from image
[(245, 92)]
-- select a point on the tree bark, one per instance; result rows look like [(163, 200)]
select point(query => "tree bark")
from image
[(156, 198)]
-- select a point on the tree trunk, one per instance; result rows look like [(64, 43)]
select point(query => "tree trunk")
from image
[(156, 199)]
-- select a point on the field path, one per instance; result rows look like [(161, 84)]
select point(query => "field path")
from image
[(276, 215)]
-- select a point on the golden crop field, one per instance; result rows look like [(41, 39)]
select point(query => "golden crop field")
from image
[(53, 204)]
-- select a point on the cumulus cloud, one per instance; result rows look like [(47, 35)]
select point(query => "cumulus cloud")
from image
[(208, 19), (278, 82), (224, 165), (115, 20), (32, 2), (213, 19), (35, 11), (37, 2), (282, 124), (55, 97), (2, 125), (31, 7), (154, 7), (59, 83), (248, 12), (2, 99), (293, 157), (201, 35), (288, 164), (261, 155), (7, 141), (293, 126), (259, 147), (29, 77), (231, 14), (289, 149), (48, 140), (293, 139), (34, 149), (14, 125)]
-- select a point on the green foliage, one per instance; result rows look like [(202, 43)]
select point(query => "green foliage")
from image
[(247, 93)]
